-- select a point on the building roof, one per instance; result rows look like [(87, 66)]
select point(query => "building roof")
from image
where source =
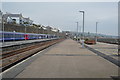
[(11, 15)]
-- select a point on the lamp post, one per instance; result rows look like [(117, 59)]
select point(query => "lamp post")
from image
[(83, 29), (2, 27), (80, 34), (96, 32), (77, 31)]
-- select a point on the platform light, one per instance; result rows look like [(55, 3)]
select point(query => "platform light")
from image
[(83, 29)]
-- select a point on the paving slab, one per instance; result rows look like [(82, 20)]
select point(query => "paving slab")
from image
[(69, 60), (107, 49)]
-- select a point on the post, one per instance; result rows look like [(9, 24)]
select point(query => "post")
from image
[(83, 29), (96, 32), (2, 29), (77, 31)]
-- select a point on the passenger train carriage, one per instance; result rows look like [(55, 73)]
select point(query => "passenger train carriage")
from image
[(10, 36)]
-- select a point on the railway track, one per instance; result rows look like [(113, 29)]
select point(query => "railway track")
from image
[(13, 57)]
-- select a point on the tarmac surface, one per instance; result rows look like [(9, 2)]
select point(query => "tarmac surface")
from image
[(68, 59)]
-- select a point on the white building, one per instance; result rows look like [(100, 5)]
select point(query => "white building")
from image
[(17, 19), (55, 30), (27, 21), (10, 18)]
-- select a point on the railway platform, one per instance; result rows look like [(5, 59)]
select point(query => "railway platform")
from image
[(66, 59), (108, 49), (12, 43)]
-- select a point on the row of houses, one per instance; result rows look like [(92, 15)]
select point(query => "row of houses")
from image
[(17, 19), (9, 18)]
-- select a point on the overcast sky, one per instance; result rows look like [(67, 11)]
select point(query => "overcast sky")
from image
[(64, 15)]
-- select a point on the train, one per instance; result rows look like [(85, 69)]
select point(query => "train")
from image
[(15, 36)]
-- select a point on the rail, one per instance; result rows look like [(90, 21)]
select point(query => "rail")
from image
[(13, 57)]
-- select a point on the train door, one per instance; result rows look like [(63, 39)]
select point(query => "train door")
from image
[(26, 36)]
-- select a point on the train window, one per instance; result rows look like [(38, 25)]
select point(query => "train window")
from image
[(8, 35), (16, 35), (19, 35), (5, 35)]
